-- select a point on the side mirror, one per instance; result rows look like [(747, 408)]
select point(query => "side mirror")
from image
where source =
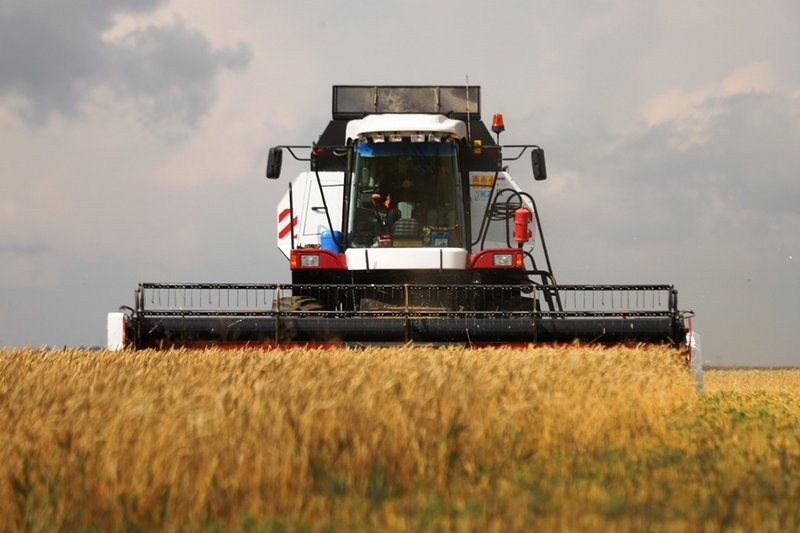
[(537, 162), (274, 160)]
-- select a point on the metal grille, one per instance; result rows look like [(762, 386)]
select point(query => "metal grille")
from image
[(611, 300), (209, 299), (204, 298), (350, 101)]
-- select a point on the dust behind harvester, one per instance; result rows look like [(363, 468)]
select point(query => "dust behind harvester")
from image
[(405, 226)]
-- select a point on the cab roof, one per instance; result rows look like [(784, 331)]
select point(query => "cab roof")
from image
[(405, 124)]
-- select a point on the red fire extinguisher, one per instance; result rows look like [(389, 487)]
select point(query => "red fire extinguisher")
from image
[(522, 219)]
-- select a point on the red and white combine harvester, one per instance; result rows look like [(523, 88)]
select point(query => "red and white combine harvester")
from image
[(405, 226)]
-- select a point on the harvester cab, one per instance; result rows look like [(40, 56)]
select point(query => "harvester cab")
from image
[(403, 187), (405, 226)]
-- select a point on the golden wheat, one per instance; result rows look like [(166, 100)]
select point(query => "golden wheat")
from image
[(747, 380), (407, 438)]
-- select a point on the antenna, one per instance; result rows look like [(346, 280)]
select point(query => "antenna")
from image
[(469, 133)]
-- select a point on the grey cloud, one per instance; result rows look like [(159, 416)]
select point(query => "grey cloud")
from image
[(171, 70), (23, 249), (53, 54), (754, 155), (656, 191), (709, 216)]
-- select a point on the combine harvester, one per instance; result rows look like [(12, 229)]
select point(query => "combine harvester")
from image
[(405, 227)]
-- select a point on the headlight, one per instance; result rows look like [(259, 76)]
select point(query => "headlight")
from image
[(503, 260), (309, 260)]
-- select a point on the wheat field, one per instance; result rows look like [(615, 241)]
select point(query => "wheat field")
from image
[(569, 438)]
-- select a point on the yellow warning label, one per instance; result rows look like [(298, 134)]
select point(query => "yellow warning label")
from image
[(482, 180)]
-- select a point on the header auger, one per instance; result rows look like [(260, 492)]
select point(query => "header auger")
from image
[(405, 227)]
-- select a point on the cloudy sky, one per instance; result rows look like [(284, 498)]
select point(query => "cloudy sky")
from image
[(133, 136)]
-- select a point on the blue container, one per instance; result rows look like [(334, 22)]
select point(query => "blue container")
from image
[(331, 241)]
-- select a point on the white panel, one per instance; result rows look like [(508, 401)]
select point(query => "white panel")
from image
[(115, 326), (479, 189), (693, 343), (406, 258), (313, 218), (308, 209)]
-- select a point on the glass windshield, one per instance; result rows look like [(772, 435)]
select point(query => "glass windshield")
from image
[(406, 194)]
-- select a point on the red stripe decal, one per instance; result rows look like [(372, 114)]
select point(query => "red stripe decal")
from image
[(287, 228)]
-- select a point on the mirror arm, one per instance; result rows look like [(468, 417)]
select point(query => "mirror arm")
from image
[(522, 149)]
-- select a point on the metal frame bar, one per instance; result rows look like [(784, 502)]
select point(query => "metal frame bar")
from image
[(523, 148)]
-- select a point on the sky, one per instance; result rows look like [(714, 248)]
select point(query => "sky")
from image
[(133, 139)]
